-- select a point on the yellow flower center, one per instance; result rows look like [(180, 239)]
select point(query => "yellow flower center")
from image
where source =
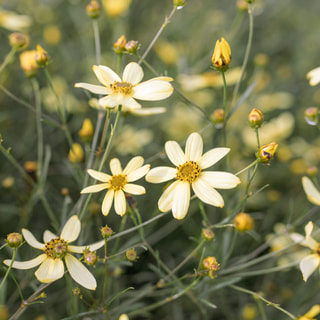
[(188, 172), (121, 87), (56, 248), (118, 181)]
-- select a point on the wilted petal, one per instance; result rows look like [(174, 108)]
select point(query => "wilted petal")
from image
[(93, 88), (80, 273), (107, 202), (23, 265), (95, 188), (207, 194), (220, 180), (120, 203), (105, 75), (50, 270), (152, 90), (161, 174), (48, 236), (31, 240), (134, 189), (100, 176), (166, 200), (139, 173), (115, 166), (308, 265), (212, 156), (311, 191), (181, 200), (132, 73), (134, 164), (175, 153), (71, 229), (194, 147)]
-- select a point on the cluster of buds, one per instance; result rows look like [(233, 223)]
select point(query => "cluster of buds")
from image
[(311, 115), (93, 9), (255, 118), (266, 152), (121, 46), (221, 57), (211, 266), (243, 222)]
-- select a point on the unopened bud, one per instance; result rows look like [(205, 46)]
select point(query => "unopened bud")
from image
[(132, 46), (179, 4), (242, 5), (65, 192), (131, 255), (255, 118), (18, 40), (266, 152), (28, 63), (218, 118), (221, 57), (243, 222), (76, 291), (89, 257), (14, 240), (119, 45), (311, 115), (312, 171), (76, 153), (207, 234), (41, 57), (86, 131), (93, 9), (106, 232)]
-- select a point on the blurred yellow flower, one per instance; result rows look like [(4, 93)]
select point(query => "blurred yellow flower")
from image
[(115, 8), (311, 191), (314, 76), (76, 153), (56, 250), (28, 63), (167, 52), (52, 35), (13, 21), (86, 131), (315, 310)]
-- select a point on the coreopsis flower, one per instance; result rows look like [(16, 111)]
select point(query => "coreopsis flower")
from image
[(315, 310), (310, 262), (124, 91), (56, 250), (255, 118), (41, 56), (311, 191), (118, 183), (314, 76), (221, 57), (266, 152), (28, 63), (189, 171)]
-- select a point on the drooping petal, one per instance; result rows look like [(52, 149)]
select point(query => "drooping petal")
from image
[(212, 156), (161, 174), (175, 153), (80, 273), (166, 200), (95, 188), (105, 75), (311, 191), (92, 247), (132, 73), (152, 90), (115, 166), (134, 164), (220, 180), (207, 194), (48, 236), (107, 202), (71, 229), (100, 176), (134, 189), (50, 270), (120, 203), (23, 265), (31, 240), (181, 200), (308, 265), (194, 147), (139, 173), (93, 88)]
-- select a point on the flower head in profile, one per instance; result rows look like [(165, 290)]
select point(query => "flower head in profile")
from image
[(221, 57), (118, 183), (188, 171), (310, 262), (56, 250), (311, 191), (314, 76), (124, 91)]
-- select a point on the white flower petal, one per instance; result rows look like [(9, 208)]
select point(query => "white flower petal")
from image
[(105, 75), (132, 73), (175, 153), (130, 104), (71, 229), (139, 173), (314, 76), (220, 180), (134, 164), (309, 243), (31, 240), (166, 200), (308, 229), (100, 176), (207, 194), (194, 147), (120, 203), (311, 191), (108, 102), (80, 273), (308, 265), (161, 174), (92, 247), (93, 88), (147, 111), (181, 200), (50, 270), (95, 188), (115, 166), (107, 202), (212, 156), (48, 236), (23, 265), (134, 189), (152, 90)]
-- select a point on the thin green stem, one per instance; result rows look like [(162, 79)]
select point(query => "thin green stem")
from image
[(8, 59), (105, 271), (257, 136), (230, 250), (247, 167), (10, 267), (224, 109), (97, 40)]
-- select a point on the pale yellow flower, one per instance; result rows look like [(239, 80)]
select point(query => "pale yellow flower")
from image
[(310, 262), (311, 191), (315, 310), (118, 183), (56, 250), (13, 21), (189, 171), (116, 7), (124, 91), (314, 76)]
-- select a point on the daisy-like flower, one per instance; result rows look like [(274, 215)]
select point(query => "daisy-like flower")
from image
[(314, 76), (309, 263), (189, 171), (56, 250), (311, 191), (118, 183), (124, 91)]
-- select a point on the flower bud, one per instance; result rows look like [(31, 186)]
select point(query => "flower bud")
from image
[(93, 9), (255, 118), (123, 316), (179, 4), (89, 257), (28, 63), (31, 168), (211, 265), (242, 5), (8, 182), (106, 232), (65, 192), (207, 234), (41, 56), (14, 240), (311, 115), (218, 117), (243, 222), (18, 40), (119, 45), (221, 57), (76, 153), (86, 131), (312, 171), (132, 46), (266, 152), (76, 291), (131, 255)]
